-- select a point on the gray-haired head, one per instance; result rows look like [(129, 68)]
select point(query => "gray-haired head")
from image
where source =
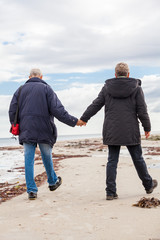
[(122, 70), (35, 72)]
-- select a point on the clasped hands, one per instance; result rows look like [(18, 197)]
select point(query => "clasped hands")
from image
[(80, 123)]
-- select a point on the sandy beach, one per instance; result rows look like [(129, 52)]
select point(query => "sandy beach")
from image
[(78, 209)]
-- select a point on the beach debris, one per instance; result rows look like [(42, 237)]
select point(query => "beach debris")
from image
[(154, 137), (147, 202), (95, 145), (153, 151), (154, 239)]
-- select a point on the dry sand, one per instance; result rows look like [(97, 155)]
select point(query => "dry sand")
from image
[(78, 209)]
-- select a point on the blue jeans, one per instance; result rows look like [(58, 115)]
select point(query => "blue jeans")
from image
[(139, 163), (46, 153)]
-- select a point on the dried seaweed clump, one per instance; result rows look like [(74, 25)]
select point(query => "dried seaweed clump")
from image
[(147, 202)]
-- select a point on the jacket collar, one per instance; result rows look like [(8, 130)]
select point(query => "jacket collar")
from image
[(138, 80), (35, 79)]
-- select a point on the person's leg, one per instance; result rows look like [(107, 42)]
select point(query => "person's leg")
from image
[(46, 152), (29, 152), (140, 165), (111, 170)]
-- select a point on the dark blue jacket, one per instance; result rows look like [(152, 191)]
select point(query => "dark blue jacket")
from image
[(38, 105), (125, 105)]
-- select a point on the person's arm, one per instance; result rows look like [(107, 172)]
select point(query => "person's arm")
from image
[(57, 110), (92, 109), (13, 107), (142, 113)]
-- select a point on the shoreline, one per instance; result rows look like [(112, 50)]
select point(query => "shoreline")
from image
[(10, 189), (15, 187), (13, 141)]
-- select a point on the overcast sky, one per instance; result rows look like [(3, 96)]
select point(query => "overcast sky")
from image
[(76, 44)]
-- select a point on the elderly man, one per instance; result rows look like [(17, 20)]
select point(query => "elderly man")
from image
[(124, 104), (38, 105)]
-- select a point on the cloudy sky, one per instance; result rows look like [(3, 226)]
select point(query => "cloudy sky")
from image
[(76, 44)]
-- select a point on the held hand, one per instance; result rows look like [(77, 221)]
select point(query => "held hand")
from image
[(81, 123), (147, 134)]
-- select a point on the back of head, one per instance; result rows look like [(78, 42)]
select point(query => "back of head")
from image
[(121, 70), (35, 72)]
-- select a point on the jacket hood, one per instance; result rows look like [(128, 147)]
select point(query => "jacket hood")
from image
[(122, 87)]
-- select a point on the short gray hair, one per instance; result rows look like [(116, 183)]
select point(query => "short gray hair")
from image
[(121, 69), (35, 72)]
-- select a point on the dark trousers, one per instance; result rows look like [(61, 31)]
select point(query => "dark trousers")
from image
[(139, 163)]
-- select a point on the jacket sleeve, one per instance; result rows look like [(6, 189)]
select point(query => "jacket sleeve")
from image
[(96, 105), (141, 109), (13, 107), (57, 110)]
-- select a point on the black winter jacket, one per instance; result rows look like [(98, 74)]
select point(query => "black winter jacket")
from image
[(124, 103), (38, 105)]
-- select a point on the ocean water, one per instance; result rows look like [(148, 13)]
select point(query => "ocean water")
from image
[(10, 161), (13, 141)]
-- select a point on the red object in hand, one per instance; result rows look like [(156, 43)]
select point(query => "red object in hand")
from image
[(15, 126), (15, 129)]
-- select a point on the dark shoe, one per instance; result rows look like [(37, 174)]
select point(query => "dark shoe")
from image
[(154, 185), (55, 186), (111, 197), (32, 196)]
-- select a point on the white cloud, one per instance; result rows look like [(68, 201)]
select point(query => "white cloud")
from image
[(151, 86), (77, 98), (77, 36), (66, 36), (61, 80)]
